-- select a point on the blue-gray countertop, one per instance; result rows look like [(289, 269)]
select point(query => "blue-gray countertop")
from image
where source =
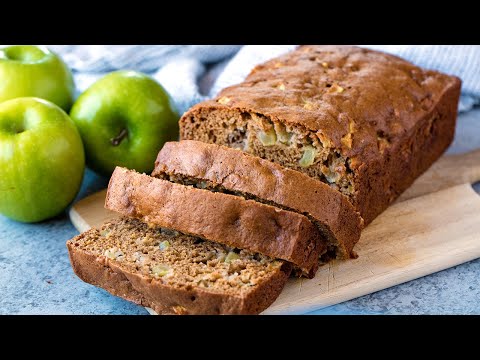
[(36, 277)]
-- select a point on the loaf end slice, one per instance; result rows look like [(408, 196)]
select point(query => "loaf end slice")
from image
[(174, 273), (223, 218)]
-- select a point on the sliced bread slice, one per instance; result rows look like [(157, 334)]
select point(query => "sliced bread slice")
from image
[(174, 273), (223, 218), (228, 170)]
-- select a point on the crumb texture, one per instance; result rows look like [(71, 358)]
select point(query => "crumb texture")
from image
[(175, 273)]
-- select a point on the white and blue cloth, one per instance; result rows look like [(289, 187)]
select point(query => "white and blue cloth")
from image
[(192, 73)]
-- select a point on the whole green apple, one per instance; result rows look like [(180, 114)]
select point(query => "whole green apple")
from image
[(41, 159), (124, 120), (27, 70)]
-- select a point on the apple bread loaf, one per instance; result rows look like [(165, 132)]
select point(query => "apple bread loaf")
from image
[(174, 273), (227, 170), (223, 218), (364, 122)]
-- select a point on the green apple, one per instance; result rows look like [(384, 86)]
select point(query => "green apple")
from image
[(41, 159), (27, 70), (124, 120)]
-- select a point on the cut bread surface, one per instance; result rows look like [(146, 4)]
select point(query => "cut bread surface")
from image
[(175, 273)]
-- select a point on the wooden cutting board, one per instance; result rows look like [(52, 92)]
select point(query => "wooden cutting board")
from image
[(434, 225)]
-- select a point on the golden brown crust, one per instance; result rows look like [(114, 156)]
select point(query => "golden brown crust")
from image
[(381, 92), (379, 114), (147, 291), (226, 219), (237, 171)]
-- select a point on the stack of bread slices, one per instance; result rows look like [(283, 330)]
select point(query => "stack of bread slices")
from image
[(213, 230)]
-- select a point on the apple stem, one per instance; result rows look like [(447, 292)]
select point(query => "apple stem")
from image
[(118, 139)]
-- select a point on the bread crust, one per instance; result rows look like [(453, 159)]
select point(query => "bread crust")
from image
[(237, 171), (168, 300), (387, 119), (223, 218)]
